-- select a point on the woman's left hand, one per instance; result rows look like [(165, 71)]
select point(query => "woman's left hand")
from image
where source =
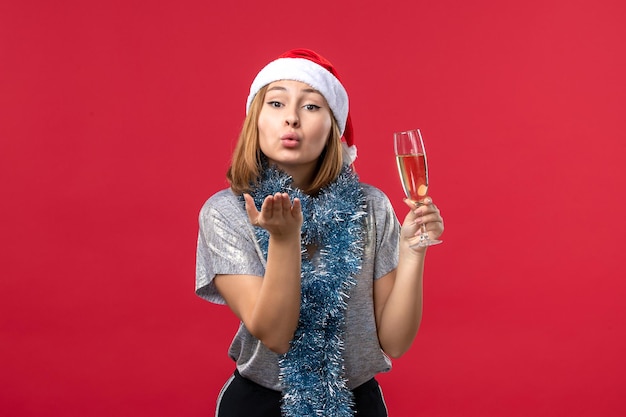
[(422, 213)]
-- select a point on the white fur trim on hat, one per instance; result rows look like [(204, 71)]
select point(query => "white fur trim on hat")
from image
[(306, 71), (348, 152)]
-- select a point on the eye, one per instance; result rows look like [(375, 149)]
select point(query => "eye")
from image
[(311, 107), (276, 104)]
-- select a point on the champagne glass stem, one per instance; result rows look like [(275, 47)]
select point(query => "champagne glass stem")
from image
[(424, 239)]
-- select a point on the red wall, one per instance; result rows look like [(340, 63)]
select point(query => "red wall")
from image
[(116, 123)]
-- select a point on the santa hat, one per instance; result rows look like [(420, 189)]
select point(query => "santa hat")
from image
[(313, 69)]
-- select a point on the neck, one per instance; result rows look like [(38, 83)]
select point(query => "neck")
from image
[(302, 174)]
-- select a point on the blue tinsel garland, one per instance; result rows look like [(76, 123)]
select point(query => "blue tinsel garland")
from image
[(312, 371)]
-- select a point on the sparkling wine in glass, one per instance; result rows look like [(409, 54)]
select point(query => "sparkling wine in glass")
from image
[(413, 170)]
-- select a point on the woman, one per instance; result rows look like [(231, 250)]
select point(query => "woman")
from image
[(313, 262)]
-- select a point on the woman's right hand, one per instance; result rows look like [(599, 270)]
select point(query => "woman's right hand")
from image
[(278, 215), (269, 306)]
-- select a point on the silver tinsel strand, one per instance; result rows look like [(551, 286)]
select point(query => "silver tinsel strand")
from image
[(312, 371)]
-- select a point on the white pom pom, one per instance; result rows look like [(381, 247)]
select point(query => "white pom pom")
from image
[(349, 153)]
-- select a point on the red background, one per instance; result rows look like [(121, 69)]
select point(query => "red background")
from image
[(117, 120)]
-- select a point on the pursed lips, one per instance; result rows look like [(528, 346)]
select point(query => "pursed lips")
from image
[(290, 140)]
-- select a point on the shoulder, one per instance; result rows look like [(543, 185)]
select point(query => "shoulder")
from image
[(224, 202), (378, 204), (223, 197), (371, 191), (374, 195)]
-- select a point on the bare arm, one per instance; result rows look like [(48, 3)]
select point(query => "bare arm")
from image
[(269, 307), (398, 296)]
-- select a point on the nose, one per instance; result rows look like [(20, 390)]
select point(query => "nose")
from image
[(292, 119)]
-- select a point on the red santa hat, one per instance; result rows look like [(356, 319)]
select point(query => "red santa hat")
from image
[(313, 69)]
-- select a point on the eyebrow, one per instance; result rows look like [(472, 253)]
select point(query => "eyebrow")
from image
[(305, 90)]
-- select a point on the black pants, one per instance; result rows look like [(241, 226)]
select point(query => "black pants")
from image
[(241, 397)]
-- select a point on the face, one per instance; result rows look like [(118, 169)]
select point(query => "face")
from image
[(294, 125)]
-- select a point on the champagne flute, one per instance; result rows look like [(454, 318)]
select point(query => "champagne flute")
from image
[(413, 170)]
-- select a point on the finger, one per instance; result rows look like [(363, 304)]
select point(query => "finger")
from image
[(414, 211), (286, 203), (427, 207), (296, 209), (431, 223), (412, 204), (277, 205), (253, 213), (250, 205), (267, 207), (430, 214)]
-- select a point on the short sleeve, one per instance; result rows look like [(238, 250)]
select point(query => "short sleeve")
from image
[(226, 244), (387, 229)]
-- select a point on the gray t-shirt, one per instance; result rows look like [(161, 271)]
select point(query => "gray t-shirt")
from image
[(227, 245)]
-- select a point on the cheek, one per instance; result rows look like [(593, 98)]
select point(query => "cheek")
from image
[(324, 131), (261, 123), (262, 127)]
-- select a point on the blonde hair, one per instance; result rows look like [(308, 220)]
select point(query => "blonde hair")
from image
[(247, 159)]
